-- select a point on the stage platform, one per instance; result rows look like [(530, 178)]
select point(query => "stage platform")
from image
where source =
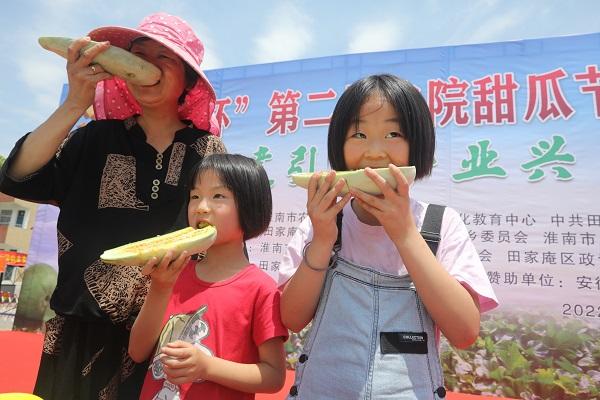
[(20, 359)]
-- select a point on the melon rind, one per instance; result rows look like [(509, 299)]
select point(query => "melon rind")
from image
[(114, 60), (358, 179)]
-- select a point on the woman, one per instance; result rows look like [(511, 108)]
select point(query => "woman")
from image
[(116, 180)]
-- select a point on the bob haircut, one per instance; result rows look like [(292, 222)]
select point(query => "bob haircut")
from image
[(413, 114), (249, 183)]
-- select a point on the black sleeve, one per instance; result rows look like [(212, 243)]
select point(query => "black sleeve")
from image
[(51, 182)]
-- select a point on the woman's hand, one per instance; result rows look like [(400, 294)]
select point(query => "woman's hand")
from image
[(323, 207), (392, 207), (164, 274), (83, 75), (183, 362)]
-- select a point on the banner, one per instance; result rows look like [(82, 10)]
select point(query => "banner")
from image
[(517, 134), (517, 131)]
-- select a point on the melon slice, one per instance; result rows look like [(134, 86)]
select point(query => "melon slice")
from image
[(358, 179), (114, 60), (140, 252)]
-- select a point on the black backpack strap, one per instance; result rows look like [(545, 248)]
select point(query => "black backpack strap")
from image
[(338, 241), (432, 224)]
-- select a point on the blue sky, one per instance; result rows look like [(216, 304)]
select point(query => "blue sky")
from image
[(239, 33)]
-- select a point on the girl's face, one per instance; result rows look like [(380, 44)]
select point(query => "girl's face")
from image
[(172, 80), (377, 139), (211, 202)]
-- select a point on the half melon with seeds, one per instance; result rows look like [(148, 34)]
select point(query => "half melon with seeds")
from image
[(358, 179), (139, 253)]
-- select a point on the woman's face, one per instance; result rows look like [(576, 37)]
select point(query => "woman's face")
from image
[(172, 81), (376, 140)]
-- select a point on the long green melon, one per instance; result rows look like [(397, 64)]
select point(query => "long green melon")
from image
[(358, 179), (114, 60), (140, 252)]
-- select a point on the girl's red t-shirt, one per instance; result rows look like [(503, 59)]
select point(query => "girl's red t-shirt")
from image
[(227, 319)]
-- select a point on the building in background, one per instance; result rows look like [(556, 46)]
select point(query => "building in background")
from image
[(16, 224)]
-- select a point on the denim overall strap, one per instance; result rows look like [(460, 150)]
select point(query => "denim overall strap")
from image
[(371, 339)]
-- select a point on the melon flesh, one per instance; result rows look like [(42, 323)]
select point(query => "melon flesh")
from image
[(358, 179), (139, 253)]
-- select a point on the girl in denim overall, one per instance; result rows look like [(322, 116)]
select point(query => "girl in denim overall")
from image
[(376, 292)]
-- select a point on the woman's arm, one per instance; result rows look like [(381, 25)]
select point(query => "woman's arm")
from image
[(42, 144), (183, 363)]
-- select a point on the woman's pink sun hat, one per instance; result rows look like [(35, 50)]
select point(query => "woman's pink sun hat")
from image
[(113, 99)]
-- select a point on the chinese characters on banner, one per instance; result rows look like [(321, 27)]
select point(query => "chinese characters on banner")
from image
[(516, 126)]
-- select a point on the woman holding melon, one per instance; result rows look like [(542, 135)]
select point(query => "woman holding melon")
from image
[(379, 289), (116, 180)]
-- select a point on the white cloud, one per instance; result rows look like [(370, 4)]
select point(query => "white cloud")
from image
[(499, 24), (211, 58), (288, 36), (44, 78), (375, 36), (494, 22)]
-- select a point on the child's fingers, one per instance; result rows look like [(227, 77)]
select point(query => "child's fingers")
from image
[(177, 344), (174, 363), (178, 263), (328, 200), (149, 266), (368, 207), (171, 352), (166, 260), (313, 184), (400, 179), (325, 186), (381, 183), (373, 202), (174, 349), (339, 206)]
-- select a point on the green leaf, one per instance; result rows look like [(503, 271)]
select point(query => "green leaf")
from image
[(513, 359), (568, 366), (544, 376)]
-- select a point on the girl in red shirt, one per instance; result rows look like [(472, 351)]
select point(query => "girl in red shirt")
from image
[(216, 320)]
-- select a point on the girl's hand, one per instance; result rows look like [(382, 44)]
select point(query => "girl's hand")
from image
[(392, 208), (183, 362), (83, 75), (322, 206), (164, 274)]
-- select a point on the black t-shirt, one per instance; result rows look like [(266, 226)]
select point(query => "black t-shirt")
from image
[(112, 188)]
